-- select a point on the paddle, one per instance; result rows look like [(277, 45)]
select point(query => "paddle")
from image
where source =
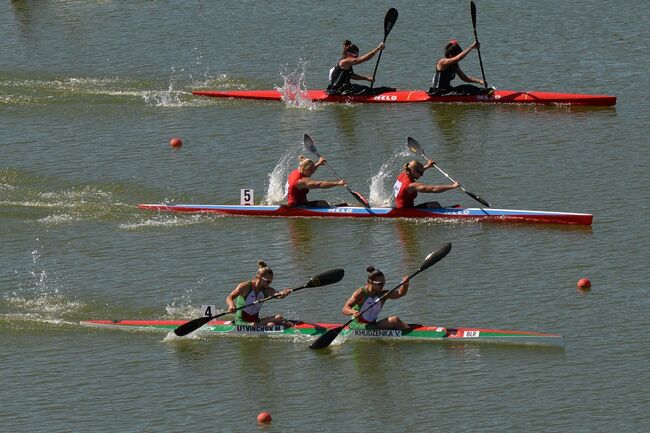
[(415, 148), (473, 10), (326, 339), (309, 145), (326, 278), (389, 22)]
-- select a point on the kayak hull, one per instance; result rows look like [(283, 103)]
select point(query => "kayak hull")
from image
[(404, 96), (418, 333), (449, 213)]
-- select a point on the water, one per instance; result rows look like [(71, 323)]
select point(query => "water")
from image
[(90, 95)]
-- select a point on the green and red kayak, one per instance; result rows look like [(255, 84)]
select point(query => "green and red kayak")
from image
[(417, 333), (403, 96)]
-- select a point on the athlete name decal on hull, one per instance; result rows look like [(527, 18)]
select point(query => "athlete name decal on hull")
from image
[(378, 332), (471, 334), (259, 328)]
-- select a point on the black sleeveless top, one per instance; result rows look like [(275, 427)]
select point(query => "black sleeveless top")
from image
[(340, 78), (442, 79)]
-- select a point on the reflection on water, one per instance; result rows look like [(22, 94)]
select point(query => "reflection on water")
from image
[(449, 118), (22, 11), (406, 234), (300, 237), (375, 362), (347, 119)]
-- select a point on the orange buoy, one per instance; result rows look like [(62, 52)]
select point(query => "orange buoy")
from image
[(264, 417), (175, 142), (584, 284)]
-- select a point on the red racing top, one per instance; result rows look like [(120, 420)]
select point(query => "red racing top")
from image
[(404, 198), (296, 196)]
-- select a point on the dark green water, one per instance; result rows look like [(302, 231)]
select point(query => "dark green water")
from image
[(91, 93)]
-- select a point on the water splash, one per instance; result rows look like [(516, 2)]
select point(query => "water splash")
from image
[(58, 219), (38, 298), (381, 184), (165, 98), (164, 221), (169, 97), (69, 204), (276, 191), (294, 88), (181, 306), (74, 89)]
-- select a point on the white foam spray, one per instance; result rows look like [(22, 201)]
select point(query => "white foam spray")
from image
[(294, 88), (381, 184), (276, 190)]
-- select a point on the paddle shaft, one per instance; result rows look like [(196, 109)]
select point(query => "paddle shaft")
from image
[(372, 83), (309, 145), (445, 174), (388, 26), (478, 50), (339, 178), (415, 147)]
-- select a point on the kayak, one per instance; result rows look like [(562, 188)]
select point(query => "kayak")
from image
[(312, 330), (447, 213), (400, 96)]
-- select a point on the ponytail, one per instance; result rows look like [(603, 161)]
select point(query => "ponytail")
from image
[(373, 273), (346, 45), (263, 268)]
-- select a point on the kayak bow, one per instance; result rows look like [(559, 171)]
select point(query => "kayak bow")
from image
[(401, 96), (417, 333), (450, 213)]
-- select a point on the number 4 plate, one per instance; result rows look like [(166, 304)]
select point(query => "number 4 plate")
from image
[(208, 310)]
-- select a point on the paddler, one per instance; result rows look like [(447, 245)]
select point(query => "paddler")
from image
[(253, 290), (342, 73), (367, 297), (300, 182), (406, 187), (449, 66)]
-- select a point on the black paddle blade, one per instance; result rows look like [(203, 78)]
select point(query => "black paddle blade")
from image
[(389, 21), (414, 146), (478, 199), (326, 339), (472, 8), (435, 257), (309, 143), (192, 326), (326, 278)]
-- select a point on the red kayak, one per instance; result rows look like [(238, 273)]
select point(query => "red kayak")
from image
[(397, 96), (450, 213)]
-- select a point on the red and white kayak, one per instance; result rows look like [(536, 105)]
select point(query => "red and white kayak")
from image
[(417, 333), (402, 96), (453, 213)]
